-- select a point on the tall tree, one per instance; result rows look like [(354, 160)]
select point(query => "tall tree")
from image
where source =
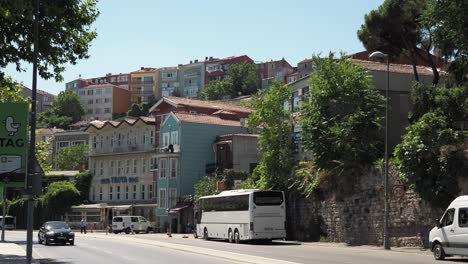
[(244, 79), (275, 142), (72, 158), (341, 119), (66, 109), (64, 33), (135, 110), (397, 28)]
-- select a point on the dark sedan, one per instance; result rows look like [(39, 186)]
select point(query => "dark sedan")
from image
[(56, 232)]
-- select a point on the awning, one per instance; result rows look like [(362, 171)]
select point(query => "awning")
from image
[(177, 209)]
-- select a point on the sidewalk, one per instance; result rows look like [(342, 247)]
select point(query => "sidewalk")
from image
[(11, 253)]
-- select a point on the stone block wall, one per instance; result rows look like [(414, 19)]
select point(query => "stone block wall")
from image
[(357, 217)]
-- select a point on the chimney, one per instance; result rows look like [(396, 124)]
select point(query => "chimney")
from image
[(211, 58), (196, 61), (142, 68), (190, 62), (206, 58)]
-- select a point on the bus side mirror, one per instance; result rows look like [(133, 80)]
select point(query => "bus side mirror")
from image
[(437, 222)]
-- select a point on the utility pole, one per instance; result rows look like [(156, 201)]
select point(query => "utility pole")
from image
[(32, 143), (5, 182)]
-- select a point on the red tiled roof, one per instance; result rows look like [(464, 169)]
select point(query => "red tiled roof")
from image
[(205, 119), (143, 69), (305, 60), (396, 68), (223, 112), (209, 104), (147, 118)]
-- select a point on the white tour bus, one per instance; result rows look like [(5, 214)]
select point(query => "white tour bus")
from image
[(242, 215)]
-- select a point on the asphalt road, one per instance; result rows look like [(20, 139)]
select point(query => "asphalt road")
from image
[(89, 250), (158, 248)]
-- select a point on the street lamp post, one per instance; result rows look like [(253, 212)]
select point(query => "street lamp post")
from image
[(386, 238)]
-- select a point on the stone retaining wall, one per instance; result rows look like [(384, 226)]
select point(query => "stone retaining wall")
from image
[(357, 218)]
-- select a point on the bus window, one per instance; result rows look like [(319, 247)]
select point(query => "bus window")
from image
[(268, 198)]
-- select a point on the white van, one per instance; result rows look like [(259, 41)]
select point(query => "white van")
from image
[(450, 236), (126, 223)]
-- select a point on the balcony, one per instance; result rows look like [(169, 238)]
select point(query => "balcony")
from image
[(172, 148), (217, 168), (122, 149), (137, 81)]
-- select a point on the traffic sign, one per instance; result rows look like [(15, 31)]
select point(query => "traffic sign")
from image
[(13, 140)]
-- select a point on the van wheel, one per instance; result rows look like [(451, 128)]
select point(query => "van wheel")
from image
[(127, 231), (236, 237), (438, 251), (230, 236), (205, 234), (147, 230), (115, 232)]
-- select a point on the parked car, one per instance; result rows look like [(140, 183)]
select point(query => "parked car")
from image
[(10, 222), (124, 224), (56, 232), (450, 236)]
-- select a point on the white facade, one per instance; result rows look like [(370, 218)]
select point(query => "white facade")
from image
[(120, 160)]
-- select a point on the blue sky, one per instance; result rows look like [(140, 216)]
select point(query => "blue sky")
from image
[(156, 33)]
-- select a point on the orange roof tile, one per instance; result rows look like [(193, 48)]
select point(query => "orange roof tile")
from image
[(205, 119), (396, 68), (209, 104)]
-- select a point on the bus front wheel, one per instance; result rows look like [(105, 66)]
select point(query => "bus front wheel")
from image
[(236, 237)]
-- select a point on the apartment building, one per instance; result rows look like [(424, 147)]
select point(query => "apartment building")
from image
[(44, 100), (144, 85), (104, 101), (217, 69), (120, 156), (271, 71), (192, 78), (169, 80)]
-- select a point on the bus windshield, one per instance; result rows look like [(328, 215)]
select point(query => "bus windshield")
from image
[(268, 198)]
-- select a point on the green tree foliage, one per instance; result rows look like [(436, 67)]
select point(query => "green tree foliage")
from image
[(305, 178), (242, 80), (43, 155), (341, 119), (66, 110), (451, 101), (205, 186), (216, 90), (59, 198), (431, 158), (135, 111), (72, 158), (397, 28), (64, 34), (11, 92), (83, 184), (275, 143), (448, 22), (178, 92)]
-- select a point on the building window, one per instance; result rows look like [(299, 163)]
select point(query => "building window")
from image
[(94, 167), (151, 137), (142, 191), (150, 188), (107, 110), (143, 166), (98, 91), (90, 92), (110, 193), (101, 167), (162, 198), (100, 193), (118, 192), (173, 168), (162, 168), (111, 168), (107, 100), (101, 140), (172, 197), (135, 166), (174, 137), (126, 192), (119, 167), (127, 168), (134, 192), (108, 90), (94, 193)]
